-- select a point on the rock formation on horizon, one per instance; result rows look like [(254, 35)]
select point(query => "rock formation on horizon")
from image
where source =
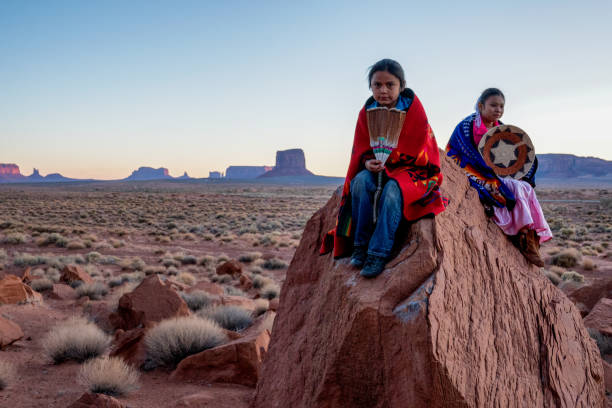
[(552, 165), (457, 319), (290, 162), (149, 173), (245, 172), (10, 173)]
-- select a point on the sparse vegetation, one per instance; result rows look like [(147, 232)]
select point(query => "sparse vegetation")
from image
[(76, 339), (198, 299), (95, 290), (41, 284), (572, 276), (270, 291), (229, 317), (174, 339), (186, 278), (604, 343), (261, 307), (567, 258), (108, 375), (274, 263)]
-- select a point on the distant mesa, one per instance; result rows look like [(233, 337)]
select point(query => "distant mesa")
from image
[(245, 172), (552, 165), (185, 176), (289, 163), (149, 173), (10, 173), (215, 175)]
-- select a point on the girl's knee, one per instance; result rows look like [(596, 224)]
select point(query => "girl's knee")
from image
[(362, 182), (392, 193)]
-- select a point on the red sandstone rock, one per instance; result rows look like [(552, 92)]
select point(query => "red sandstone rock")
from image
[(273, 305), (72, 273), (237, 362), (90, 400), (13, 291), (152, 301), (246, 283), (458, 318), (208, 287), (27, 277), (130, 346), (607, 375), (600, 317), (230, 267), (290, 162), (10, 332), (61, 291), (589, 292), (235, 397), (239, 301)]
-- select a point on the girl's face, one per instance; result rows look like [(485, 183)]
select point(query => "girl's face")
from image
[(385, 88), (493, 108)]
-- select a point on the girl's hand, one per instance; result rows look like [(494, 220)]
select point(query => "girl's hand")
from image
[(375, 166)]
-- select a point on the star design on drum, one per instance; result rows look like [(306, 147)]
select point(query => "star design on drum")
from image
[(504, 154)]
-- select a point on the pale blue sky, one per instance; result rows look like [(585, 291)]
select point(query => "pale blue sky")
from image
[(98, 88)]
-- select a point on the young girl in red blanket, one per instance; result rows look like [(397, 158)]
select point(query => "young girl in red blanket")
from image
[(411, 177)]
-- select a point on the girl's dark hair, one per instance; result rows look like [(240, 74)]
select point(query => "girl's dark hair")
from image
[(489, 92), (387, 65)]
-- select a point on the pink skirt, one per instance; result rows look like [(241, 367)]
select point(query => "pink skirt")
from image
[(527, 212)]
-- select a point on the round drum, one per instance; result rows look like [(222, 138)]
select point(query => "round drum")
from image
[(507, 150)]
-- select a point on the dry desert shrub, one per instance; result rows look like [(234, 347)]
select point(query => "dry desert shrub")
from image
[(198, 299), (42, 284), (207, 261), (14, 238), (168, 262), (186, 278), (604, 343), (259, 281), (553, 277), (229, 317), (174, 339), (135, 264), (75, 339), (232, 291), (269, 291), (572, 276), (172, 271), (588, 265), (29, 260), (52, 239), (274, 263), (249, 257), (150, 269), (93, 257), (108, 375), (76, 244), (95, 290), (567, 258), (261, 307), (7, 374)]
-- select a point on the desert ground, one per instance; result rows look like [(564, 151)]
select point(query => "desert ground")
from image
[(214, 245)]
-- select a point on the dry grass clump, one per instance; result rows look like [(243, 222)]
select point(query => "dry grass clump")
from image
[(41, 284), (168, 262), (567, 258), (75, 339), (604, 343), (572, 276), (14, 238), (249, 257), (269, 291), (186, 278), (553, 277), (76, 244), (95, 290), (198, 299), (52, 239), (232, 291), (174, 339), (588, 265), (229, 317), (261, 307), (274, 263), (135, 264), (150, 270), (108, 375), (7, 374)]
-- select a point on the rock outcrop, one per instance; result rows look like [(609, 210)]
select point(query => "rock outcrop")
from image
[(245, 172), (152, 301), (290, 162), (73, 273), (600, 317), (14, 291), (91, 400), (10, 332), (457, 319), (10, 172)]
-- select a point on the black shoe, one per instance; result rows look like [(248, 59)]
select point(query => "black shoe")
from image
[(359, 256), (374, 266)]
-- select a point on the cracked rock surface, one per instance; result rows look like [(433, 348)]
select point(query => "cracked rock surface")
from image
[(457, 319)]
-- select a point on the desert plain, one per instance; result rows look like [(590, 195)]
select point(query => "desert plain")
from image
[(217, 247)]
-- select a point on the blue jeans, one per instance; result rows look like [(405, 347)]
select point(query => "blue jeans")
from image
[(378, 239)]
